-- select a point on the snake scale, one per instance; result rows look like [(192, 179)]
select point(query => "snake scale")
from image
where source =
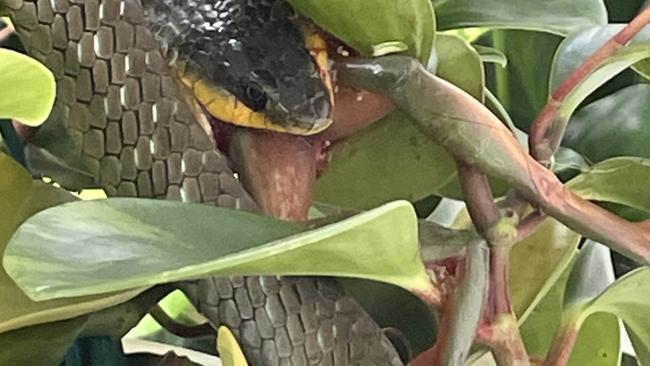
[(119, 117)]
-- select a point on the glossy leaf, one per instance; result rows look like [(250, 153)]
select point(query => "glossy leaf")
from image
[(617, 180), (538, 262), (599, 340), (555, 16), (365, 164), (587, 285), (522, 86), (625, 299), (28, 88), (568, 163), (580, 45), (615, 125), (18, 310), (591, 274), (129, 243), (363, 25), (460, 63), (491, 54)]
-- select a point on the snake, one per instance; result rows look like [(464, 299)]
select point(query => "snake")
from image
[(135, 80)]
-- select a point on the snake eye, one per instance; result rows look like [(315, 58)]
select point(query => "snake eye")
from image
[(255, 96)]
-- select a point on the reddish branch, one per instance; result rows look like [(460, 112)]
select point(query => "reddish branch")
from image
[(544, 138), (562, 347), (498, 327)]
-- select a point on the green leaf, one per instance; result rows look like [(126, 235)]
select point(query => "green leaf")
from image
[(522, 86), (625, 299), (618, 180), (129, 243), (491, 54), (411, 22), (554, 16), (366, 165), (28, 88), (579, 46), (568, 163), (40, 345), (598, 342), (18, 310), (15, 186), (538, 262), (591, 274), (460, 64), (615, 125)]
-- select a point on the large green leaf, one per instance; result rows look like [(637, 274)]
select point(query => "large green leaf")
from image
[(18, 310), (580, 45), (26, 88), (392, 159), (618, 180), (555, 16), (92, 247), (364, 24), (613, 126), (389, 160)]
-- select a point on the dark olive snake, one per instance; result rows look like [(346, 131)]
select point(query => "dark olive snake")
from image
[(121, 118)]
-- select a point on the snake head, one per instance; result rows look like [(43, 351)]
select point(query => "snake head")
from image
[(249, 65), (282, 80)]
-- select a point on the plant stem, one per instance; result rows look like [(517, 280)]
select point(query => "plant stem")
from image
[(498, 328), (563, 343), (478, 198), (504, 340), (471, 133), (544, 137)]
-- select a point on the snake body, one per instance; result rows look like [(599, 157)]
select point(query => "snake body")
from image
[(120, 118)]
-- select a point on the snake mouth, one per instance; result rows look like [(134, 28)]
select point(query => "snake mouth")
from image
[(223, 106)]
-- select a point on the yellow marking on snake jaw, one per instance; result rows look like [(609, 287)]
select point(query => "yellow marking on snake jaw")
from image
[(318, 49), (225, 107)]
